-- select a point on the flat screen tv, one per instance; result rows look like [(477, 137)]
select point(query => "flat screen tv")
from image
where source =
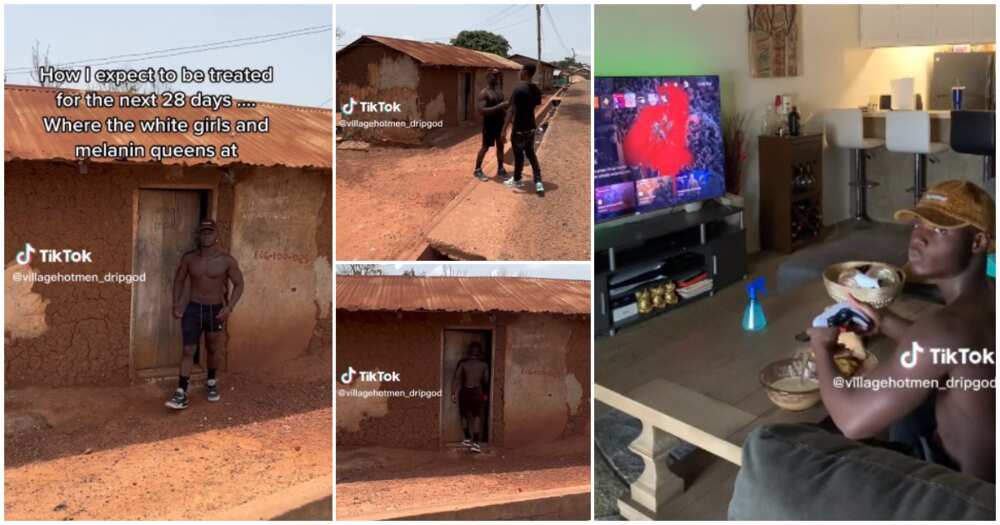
[(657, 143)]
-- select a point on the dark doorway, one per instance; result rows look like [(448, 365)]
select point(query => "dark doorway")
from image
[(456, 345)]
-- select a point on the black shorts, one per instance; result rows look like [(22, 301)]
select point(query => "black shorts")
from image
[(491, 134), (200, 318)]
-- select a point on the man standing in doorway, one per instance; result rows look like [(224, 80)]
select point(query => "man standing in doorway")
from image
[(493, 108), (468, 388), (210, 270), (525, 98)]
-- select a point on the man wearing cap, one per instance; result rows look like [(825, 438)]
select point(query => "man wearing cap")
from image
[(210, 270), (493, 108), (525, 98), (953, 229)]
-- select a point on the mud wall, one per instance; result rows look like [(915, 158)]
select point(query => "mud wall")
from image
[(281, 238), (77, 333), (411, 344)]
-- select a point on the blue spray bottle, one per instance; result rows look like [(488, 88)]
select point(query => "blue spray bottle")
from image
[(753, 316)]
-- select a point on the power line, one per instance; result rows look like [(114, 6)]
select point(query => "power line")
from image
[(490, 19), (552, 23), (186, 50)]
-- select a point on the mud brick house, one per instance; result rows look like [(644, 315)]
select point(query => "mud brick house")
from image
[(544, 73), (431, 82), (135, 216), (535, 334)]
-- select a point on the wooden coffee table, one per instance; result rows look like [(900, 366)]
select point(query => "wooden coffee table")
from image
[(693, 374)]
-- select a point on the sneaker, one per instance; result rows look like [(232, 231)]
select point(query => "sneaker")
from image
[(480, 175), (540, 188), (179, 401), (466, 442), (513, 183), (502, 174), (475, 448), (213, 390)]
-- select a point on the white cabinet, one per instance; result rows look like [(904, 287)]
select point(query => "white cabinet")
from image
[(878, 25), (953, 24), (915, 24), (921, 25), (984, 23)]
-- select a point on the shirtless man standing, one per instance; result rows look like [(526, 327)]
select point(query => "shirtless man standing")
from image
[(493, 108), (210, 270), (468, 388), (953, 230)]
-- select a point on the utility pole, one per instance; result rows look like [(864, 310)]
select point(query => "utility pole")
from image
[(538, 15)]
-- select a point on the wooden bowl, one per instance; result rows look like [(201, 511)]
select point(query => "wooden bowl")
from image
[(880, 297)]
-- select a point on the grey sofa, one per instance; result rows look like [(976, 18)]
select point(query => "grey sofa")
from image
[(801, 472)]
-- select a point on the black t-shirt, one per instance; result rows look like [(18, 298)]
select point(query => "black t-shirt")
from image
[(524, 99)]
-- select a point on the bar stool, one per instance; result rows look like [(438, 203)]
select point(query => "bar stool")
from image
[(974, 133), (910, 132), (844, 129)]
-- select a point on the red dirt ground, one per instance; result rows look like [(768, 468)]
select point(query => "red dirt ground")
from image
[(118, 453), (385, 480), (387, 195)]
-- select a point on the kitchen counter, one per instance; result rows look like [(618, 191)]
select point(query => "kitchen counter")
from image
[(874, 125)]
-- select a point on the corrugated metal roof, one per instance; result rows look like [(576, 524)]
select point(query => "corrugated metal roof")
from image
[(298, 137), (521, 59), (431, 54), (462, 294)]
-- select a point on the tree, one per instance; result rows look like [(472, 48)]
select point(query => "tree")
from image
[(39, 60), (482, 41), (568, 64), (359, 269), (411, 272)]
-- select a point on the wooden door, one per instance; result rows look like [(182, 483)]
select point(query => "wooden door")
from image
[(166, 229), (456, 344)]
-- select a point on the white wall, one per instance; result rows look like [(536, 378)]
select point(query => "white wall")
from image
[(836, 72)]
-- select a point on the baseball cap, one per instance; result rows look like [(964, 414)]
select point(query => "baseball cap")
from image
[(207, 224), (954, 204)]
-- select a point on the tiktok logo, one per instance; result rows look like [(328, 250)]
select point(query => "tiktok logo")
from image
[(24, 256), (348, 376), (909, 359), (348, 108)]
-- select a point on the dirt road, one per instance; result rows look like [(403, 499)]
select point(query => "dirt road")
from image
[(386, 195), (118, 453), (386, 480), (495, 223)]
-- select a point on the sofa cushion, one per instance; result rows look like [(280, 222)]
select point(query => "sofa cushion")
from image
[(801, 472)]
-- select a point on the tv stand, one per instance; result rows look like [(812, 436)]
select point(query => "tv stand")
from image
[(643, 251)]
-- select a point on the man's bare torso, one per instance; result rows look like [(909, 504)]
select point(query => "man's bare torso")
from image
[(209, 276), (966, 418), (473, 372)]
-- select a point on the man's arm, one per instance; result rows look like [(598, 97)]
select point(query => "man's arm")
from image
[(489, 110), (861, 412), (486, 380), (236, 277), (509, 118), (180, 276), (455, 381)]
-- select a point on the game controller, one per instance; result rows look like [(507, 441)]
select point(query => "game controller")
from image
[(843, 315)]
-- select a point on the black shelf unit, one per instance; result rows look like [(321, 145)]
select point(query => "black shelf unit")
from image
[(712, 239)]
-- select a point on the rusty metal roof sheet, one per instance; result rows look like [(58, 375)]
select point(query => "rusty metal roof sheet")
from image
[(462, 294), (298, 137), (523, 59), (431, 54)]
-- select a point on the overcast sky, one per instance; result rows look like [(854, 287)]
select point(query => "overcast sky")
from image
[(564, 27), (578, 271)]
